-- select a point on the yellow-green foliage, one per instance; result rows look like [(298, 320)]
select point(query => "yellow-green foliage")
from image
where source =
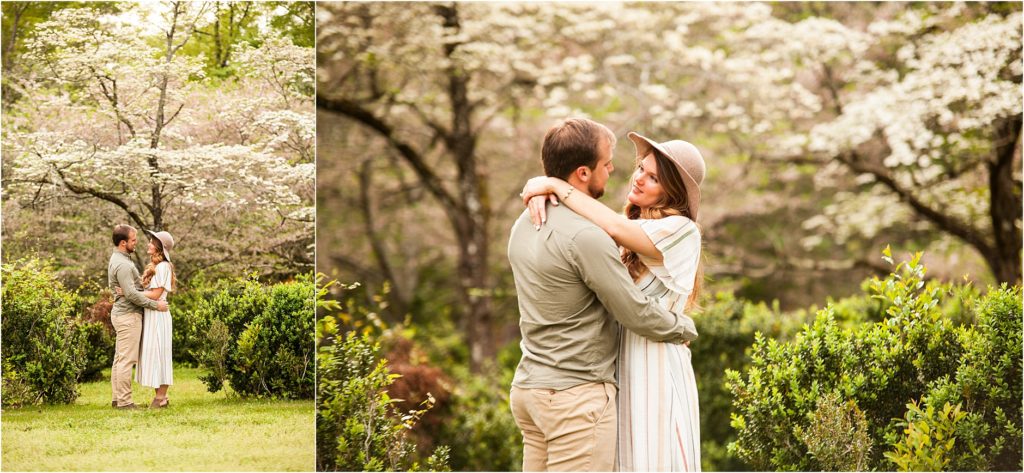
[(916, 353)]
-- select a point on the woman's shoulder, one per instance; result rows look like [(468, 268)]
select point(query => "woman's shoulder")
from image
[(163, 266), (678, 219), (672, 222)]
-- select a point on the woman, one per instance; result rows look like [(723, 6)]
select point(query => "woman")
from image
[(659, 425), (155, 369)]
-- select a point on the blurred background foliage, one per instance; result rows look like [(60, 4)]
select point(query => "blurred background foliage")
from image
[(831, 130)]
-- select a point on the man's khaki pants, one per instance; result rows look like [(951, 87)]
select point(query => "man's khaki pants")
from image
[(568, 430), (126, 354)]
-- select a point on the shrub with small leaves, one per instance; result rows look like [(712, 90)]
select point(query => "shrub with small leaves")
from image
[(727, 328), (927, 444), (98, 348), (260, 338), (837, 436), (480, 421), (213, 355), (359, 427), (43, 353), (879, 367), (988, 385)]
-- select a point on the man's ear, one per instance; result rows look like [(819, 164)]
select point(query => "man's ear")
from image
[(583, 174)]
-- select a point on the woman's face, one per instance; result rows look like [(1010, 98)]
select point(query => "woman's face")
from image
[(646, 190), (151, 249)]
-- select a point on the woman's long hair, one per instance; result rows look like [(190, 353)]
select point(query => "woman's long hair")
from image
[(156, 259), (672, 203)]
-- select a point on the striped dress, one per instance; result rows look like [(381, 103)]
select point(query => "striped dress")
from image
[(659, 423), (155, 356)]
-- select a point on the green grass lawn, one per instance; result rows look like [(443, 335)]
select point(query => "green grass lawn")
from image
[(200, 431)]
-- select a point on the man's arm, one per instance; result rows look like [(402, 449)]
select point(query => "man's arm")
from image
[(124, 279), (602, 271)]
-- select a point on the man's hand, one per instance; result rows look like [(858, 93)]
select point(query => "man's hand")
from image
[(118, 291), (161, 306)]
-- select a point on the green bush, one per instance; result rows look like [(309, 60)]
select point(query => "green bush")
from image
[(727, 327), (837, 436), (95, 328), (988, 385), (258, 338), (191, 325), (43, 353), (17, 391), (275, 352), (875, 369), (480, 421), (359, 426), (98, 348), (929, 438)]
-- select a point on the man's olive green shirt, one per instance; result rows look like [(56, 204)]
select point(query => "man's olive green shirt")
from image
[(121, 272), (572, 288)]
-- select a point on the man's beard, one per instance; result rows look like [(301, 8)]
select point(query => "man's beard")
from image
[(595, 192)]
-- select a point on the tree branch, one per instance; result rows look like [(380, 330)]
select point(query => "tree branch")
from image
[(112, 198), (943, 221), (354, 111)]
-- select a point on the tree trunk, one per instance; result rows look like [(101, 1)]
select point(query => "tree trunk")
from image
[(12, 40), (399, 293), (468, 208), (474, 244), (1006, 207), (217, 47)]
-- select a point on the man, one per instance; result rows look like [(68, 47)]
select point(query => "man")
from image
[(572, 288), (126, 314)]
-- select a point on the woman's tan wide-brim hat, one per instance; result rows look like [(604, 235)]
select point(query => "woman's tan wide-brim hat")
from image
[(687, 159), (166, 240)]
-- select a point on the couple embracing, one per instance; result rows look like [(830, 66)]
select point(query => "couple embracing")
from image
[(140, 316), (587, 395)]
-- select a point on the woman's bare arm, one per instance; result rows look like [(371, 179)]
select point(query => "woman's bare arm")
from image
[(624, 231)]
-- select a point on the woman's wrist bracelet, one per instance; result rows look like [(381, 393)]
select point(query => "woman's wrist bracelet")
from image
[(567, 194)]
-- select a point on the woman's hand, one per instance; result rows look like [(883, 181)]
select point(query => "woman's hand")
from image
[(539, 185), (538, 208), (536, 193), (118, 291)]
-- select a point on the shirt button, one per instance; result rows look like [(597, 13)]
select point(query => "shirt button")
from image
[(552, 391)]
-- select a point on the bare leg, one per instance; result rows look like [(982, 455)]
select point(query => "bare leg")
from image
[(160, 396)]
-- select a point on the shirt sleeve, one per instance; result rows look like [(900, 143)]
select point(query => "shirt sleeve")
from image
[(126, 280), (162, 278), (595, 257), (678, 239)]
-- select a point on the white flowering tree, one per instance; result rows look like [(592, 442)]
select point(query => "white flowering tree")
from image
[(848, 125), (426, 83), (906, 116), (117, 124)]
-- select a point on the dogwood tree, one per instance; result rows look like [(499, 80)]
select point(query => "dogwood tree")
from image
[(118, 118), (906, 116), (868, 122), (429, 81)]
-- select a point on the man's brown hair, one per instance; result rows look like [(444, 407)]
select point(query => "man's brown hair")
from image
[(121, 233), (572, 143)]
